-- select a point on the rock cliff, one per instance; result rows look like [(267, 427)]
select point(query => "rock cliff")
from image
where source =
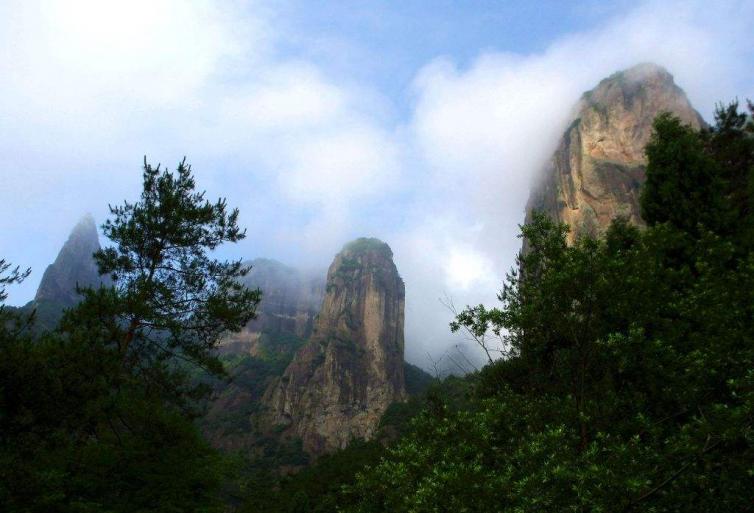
[(598, 168), (351, 369), (290, 301)]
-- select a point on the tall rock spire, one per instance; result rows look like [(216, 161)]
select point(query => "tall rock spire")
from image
[(596, 173), (73, 266), (341, 382)]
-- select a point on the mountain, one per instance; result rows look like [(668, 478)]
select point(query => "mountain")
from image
[(598, 168), (290, 302), (351, 369), (74, 266)]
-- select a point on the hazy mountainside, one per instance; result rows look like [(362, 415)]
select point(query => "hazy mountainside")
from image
[(290, 302), (599, 166), (258, 354), (341, 382)]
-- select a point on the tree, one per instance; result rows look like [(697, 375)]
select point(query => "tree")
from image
[(9, 275), (171, 299), (702, 177), (680, 173)]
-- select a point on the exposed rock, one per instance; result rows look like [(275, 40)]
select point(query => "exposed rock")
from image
[(290, 302), (260, 352), (341, 382), (73, 266), (599, 166)]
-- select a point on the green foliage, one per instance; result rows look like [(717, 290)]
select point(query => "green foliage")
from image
[(345, 270), (11, 319), (316, 489), (629, 381), (79, 435), (279, 348), (319, 487), (9, 276), (682, 174), (249, 376)]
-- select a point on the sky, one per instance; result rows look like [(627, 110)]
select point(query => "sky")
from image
[(421, 123)]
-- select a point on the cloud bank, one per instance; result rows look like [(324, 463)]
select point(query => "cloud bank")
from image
[(313, 159)]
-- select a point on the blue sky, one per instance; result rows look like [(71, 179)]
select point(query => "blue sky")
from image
[(386, 42), (422, 123)]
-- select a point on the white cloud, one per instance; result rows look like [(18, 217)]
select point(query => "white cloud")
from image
[(291, 96), (466, 267), (341, 167)]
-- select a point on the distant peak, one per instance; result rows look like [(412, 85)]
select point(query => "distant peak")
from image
[(647, 71), (644, 83), (604, 146), (265, 262)]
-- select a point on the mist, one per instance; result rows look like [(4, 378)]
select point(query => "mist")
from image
[(312, 152)]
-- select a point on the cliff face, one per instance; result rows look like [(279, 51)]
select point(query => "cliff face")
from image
[(596, 173), (73, 265), (344, 378), (290, 303)]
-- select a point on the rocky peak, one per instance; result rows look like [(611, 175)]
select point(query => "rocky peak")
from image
[(598, 168), (73, 266), (343, 379)]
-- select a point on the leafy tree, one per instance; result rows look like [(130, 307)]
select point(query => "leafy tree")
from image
[(704, 177), (682, 174), (78, 434)]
